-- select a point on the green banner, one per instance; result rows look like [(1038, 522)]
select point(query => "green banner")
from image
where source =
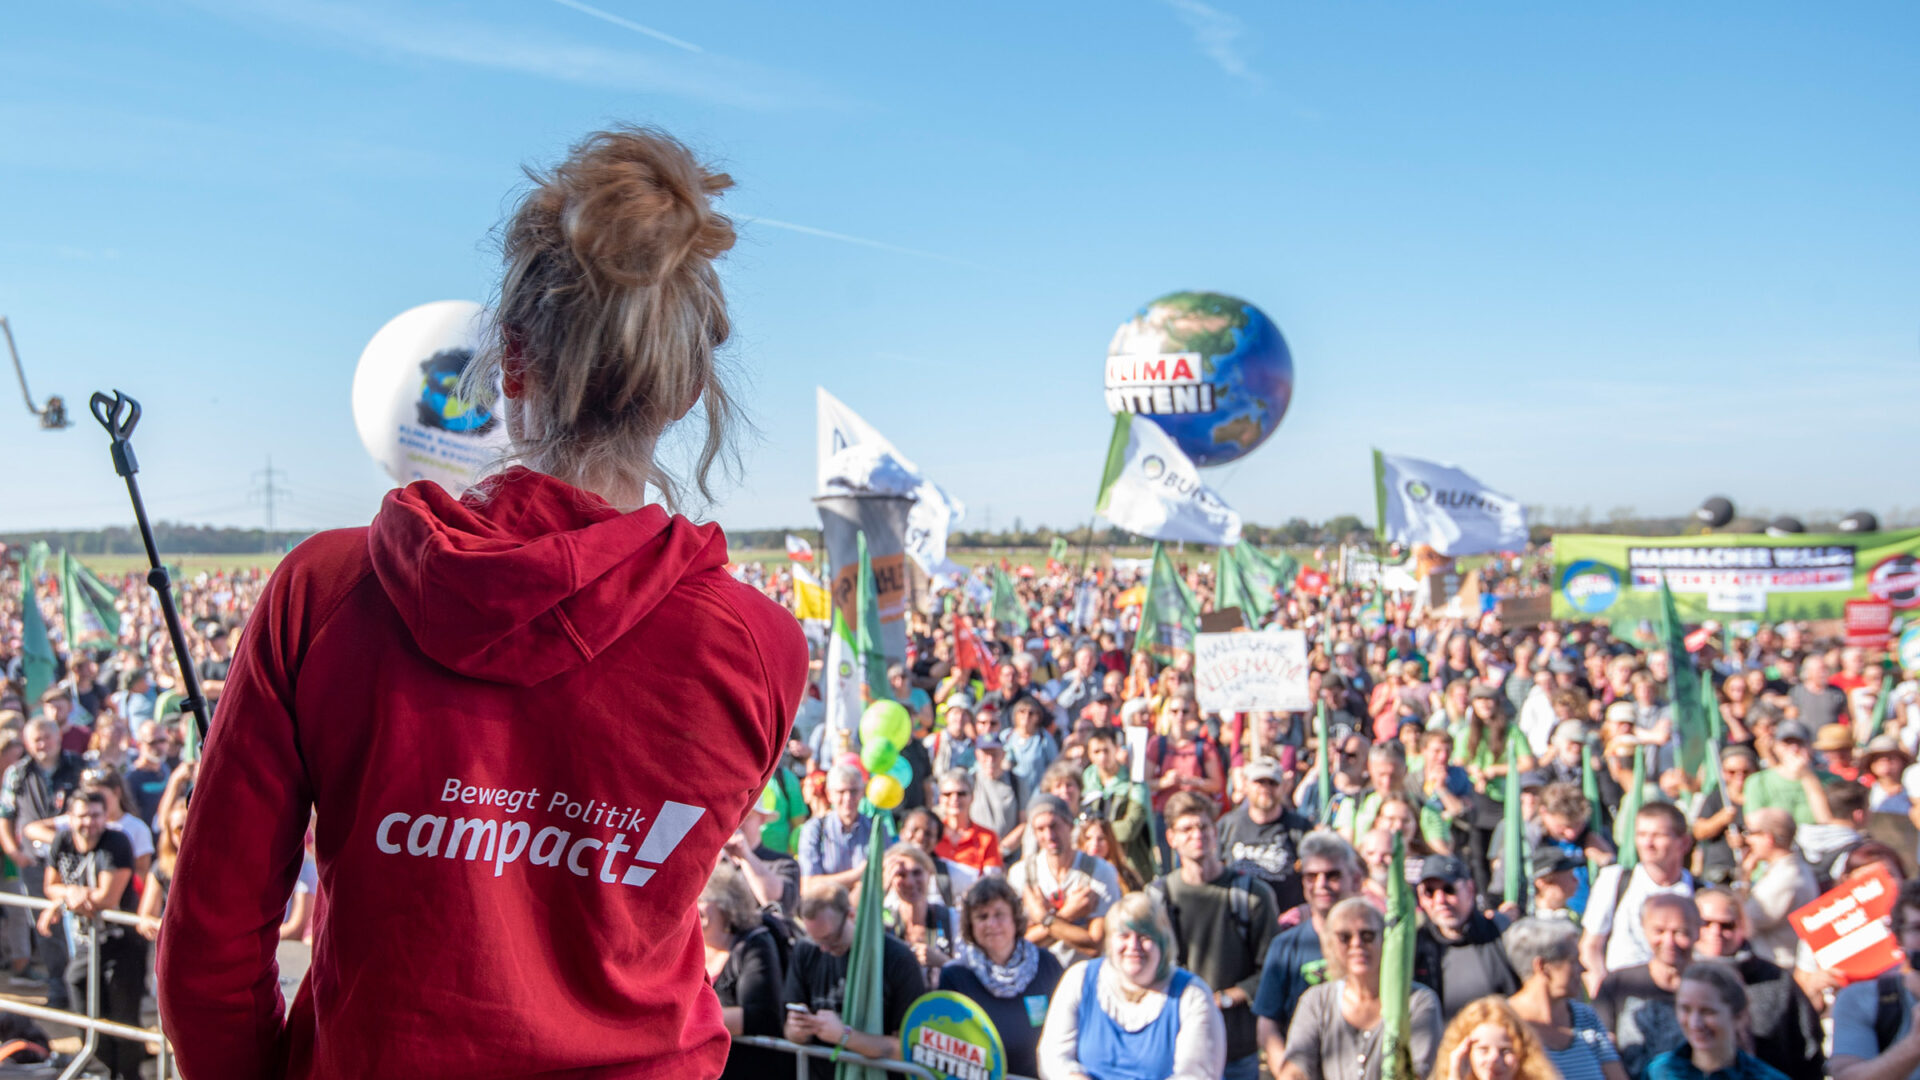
[(1809, 576)]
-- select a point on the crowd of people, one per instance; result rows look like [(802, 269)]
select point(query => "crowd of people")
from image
[(96, 776), (1207, 910)]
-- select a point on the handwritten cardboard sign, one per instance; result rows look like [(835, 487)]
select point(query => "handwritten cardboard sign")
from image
[(1241, 672), (1847, 927)]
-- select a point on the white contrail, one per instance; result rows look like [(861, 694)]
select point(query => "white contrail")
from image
[(861, 240), (588, 9)]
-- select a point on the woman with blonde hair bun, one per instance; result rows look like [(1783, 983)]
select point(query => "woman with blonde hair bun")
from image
[(528, 717), (1487, 1040)]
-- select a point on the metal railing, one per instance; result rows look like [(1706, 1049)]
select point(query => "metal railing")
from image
[(90, 1021), (801, 1053)]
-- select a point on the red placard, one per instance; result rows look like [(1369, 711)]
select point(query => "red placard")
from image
[(1311, 582), (1847, 927), (1869, 622)]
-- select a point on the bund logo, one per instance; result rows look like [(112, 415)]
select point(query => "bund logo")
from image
[(1418, 491), (1153, 467)]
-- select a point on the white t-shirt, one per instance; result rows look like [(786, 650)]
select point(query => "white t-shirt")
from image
[(1098, 874), (1626, 938)]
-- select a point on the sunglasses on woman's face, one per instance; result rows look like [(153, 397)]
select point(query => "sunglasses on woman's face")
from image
[(1348, 937)]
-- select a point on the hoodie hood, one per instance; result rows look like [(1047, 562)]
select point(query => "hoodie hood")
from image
[(528, 577)]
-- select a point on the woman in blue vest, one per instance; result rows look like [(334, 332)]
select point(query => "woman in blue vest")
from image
[(1131, 1014)]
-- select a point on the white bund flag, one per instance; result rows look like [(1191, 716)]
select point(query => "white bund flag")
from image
[(854, 459), (1433, 503), (1152, 488), (798, 549)]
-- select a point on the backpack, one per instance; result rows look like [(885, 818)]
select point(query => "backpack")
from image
[(1886, 1015), (781, 931), (1239, 902)]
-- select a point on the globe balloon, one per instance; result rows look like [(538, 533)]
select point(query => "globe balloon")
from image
[(407, 405), (1212, 370)]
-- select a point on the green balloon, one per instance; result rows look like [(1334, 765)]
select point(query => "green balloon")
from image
[(878, 755), (901, 770), (886, 721)]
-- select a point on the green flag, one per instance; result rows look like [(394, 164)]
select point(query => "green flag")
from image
[(1590, 788), (873, 658), (1057, 549), (91, 620), (1170, 617), (37, 665), (1710, 708), (1263, 574), (1006, 609), (1245, 579), (1512, 850), (1630, 809), (863, 1008), (37, 555), (1396, 972), (1688, 724), (1878, 718), (1710, 778), (1322, 771)]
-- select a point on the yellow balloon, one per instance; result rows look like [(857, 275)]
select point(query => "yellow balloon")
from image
[(885, 792)]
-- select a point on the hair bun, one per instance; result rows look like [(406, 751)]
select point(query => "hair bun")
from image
[(635, 206)]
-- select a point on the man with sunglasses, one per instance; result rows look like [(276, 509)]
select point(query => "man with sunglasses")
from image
[(1457, 952), (151, 768), (1330, 872), (1786, 1026)]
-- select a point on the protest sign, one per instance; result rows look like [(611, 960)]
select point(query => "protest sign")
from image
[(1847, 927), (954, 1039), (1241, 672), (1771, 578), (1869, 622)]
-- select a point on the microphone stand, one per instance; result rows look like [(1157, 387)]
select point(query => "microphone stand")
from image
[(110, 412)]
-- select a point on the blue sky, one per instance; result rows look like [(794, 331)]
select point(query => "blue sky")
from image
[(1601, 258)]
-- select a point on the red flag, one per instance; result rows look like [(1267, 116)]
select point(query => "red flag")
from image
[(968, 650)]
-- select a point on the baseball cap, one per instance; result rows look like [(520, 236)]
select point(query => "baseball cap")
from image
[(1553, 859), (1445, 868), (989, 741), (1620, 712), (1344, 648), (1263, 769), (1792, 731), (1481, 691), (1560, 665), (1536, 778)]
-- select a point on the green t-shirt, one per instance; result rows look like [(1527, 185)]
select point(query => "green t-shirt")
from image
[(1768, 789), (781, 834), (1483, 758)]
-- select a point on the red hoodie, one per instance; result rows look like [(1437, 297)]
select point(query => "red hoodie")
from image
[(527, 725)]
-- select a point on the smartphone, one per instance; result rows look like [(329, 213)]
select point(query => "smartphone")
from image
[(799, 1010)]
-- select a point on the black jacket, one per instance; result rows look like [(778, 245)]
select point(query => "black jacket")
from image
[(1466, 970)]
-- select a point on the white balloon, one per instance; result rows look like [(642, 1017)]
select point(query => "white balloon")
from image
[(404, 406)]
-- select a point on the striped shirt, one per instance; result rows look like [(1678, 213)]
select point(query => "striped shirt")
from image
[(1590, 1049)]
